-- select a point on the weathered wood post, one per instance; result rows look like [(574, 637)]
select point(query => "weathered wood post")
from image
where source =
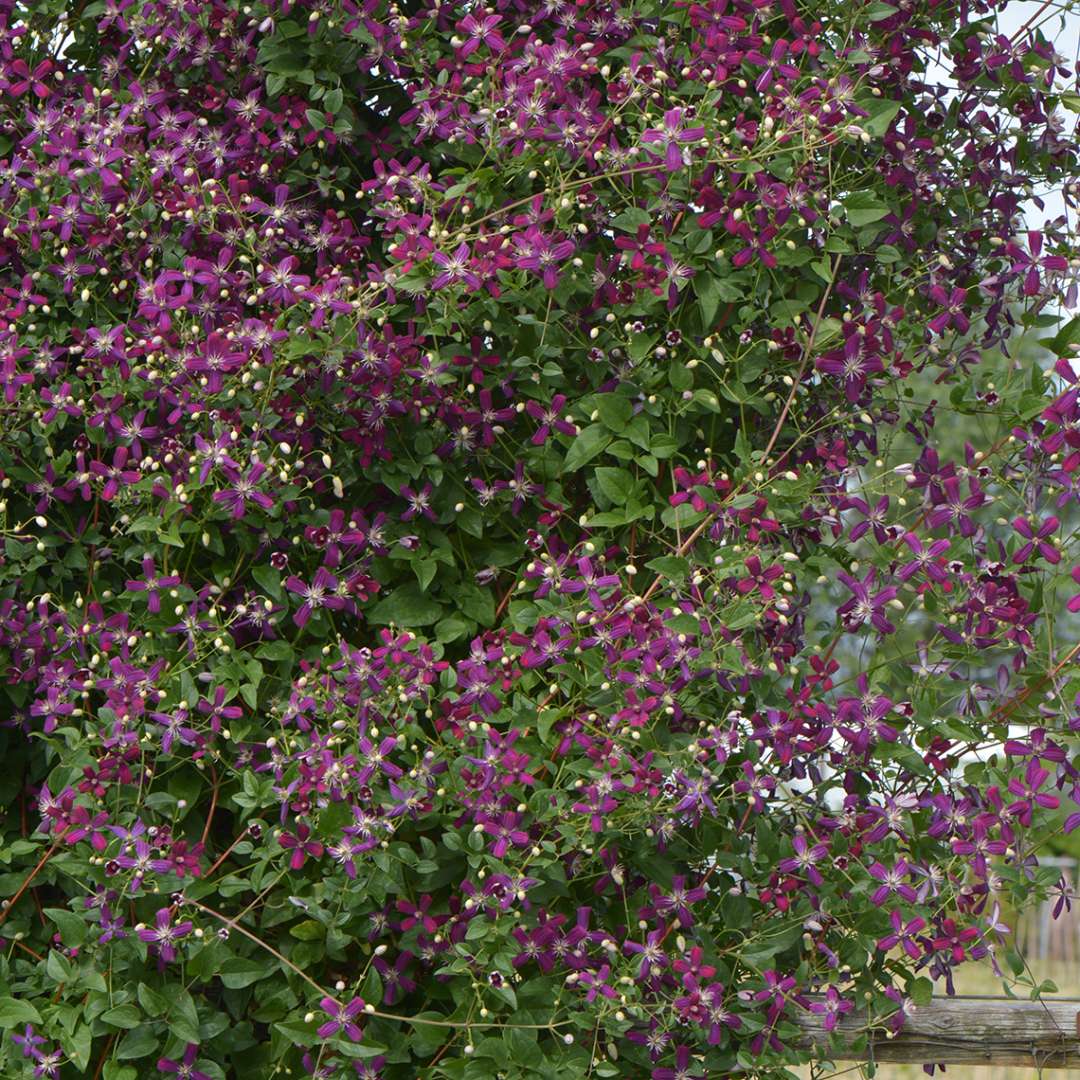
[(963, 1031)]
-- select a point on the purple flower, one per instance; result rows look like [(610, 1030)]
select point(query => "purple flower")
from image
[(419, 502), (672, 135), (455, 269), (395, 982), (342, 1018), (542, 253), (163, 935), (319, 593), (893, 880), (282, 285), (832, 1008), (903, 934), (953, 314), (301, 845), (550, 418), (1037, 538), (866, 606), (677, 902), (150, 583), (184, 1069), (804, 859), (28, 1040), (926, 559)]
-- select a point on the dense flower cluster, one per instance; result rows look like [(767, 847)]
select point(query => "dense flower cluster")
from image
[(538, 540)]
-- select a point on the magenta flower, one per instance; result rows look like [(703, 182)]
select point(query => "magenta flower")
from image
[(150, 583), (243, 490), (864, 605), (342, 1018), (953, 314), (550, 417), (759, 578), (184, 1069), (804, 860), (1037, 538), (455, 269), (832, 1008), (163, 935), (480, 30), (904, 935), (282, 285), (419, 502), (672, 136), (893, 881), (927, 559), (320, 592), (682, 1069), (301, 845), (543, 254)]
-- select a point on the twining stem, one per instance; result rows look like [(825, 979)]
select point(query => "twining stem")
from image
[(369, 1010), (26, 882)]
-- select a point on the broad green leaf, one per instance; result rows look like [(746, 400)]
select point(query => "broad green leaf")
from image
[(588, 442), (14, 1012)]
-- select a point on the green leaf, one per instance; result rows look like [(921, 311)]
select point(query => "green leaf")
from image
[(267, 577), (14, 1012), (881, 116), (58, 967), (123, 1016), (406, 606), (118, 1072), (708, 294), (708, 399), (615, 410), (333, 100), (1068, 335), (308, 930), (632, 219), (72, 928), (921, 991), (588, 442), (670, 567), (425, 570), (274, 650), (864, 208), (680, 377), (184, 1020), (616, 484), (153, 1003), (241, 971), (478, 604), (298, 1032), (138, 1043), (78, 1047), (879, 12)]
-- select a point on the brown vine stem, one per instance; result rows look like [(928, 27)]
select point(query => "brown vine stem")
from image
[(807, 348), (27, 949), (104, 1057), (1003, 712), (27, 881), (1031, 21), (689, 542), (213, 804), (368, 1011)]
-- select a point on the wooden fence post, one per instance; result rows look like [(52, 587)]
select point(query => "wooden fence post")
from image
[(962, 1031)]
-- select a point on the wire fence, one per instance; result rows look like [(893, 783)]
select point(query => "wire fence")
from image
[(1043, 939)]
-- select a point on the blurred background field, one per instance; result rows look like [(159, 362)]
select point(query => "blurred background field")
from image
[(1052, 950)]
